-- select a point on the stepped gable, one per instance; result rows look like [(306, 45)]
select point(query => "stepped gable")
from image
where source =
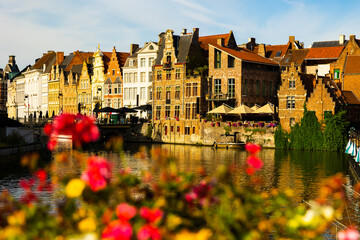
[(246, 55), (324, 53), (308, 81), (296, 56)]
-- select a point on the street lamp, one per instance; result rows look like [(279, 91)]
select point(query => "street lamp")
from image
[(27, 97)]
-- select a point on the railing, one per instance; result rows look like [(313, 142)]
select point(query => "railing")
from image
[(219, 96), (355, 137), (15, 150)]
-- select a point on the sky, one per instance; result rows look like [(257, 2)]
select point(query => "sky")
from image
[(31, 28)]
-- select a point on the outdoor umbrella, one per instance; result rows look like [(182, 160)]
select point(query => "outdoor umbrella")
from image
[(125, 110), (255, 107), (242, 109), (145, 107), (266, 109), (105, 109), (223, 109)]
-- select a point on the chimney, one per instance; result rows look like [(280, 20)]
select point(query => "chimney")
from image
[(262, 50), (133, 48), (251, 40), (59, 57), (341, 39), (220, 42), (196, 33), (292, 39), (12, 60), (183, 31), (352, 37)]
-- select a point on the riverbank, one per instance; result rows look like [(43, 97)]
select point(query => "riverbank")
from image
[(207, 133)]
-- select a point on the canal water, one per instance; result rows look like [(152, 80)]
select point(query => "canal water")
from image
[(299, 170)]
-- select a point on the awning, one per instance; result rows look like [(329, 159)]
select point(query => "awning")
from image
[(242, 109), (223, 109), (266, 109)]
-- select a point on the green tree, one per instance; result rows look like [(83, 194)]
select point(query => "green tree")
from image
[(281, 138), (335, 132)]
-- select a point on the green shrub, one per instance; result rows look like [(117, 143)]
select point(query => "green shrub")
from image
[(335, 132)]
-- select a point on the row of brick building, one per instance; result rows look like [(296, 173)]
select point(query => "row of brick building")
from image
[(186, 75)]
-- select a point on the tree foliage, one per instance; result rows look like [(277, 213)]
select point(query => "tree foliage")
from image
[(335, 132)]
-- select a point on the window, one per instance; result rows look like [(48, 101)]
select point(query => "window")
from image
[(142, 62), (290, 102), (291, 83), (158, 75), (126, 77), (217, 59), (231, 61), (264, 88), (109, 90), (217, 86), (257, 87), (142, 77), (270, 89), (195, 89), (177, 92), (158, 93), (231, 87), (187, 111), (278, 54), (168, 75), (119, 88), (336, 73), (193, 115), (193, 130), (131, 62), (177, 73), (150, 76), (177, 111), (178, 129), (187, 130), (135, 93), (130, 93), (131, 77), (115, 90), (158, 112), (245, 87), (142, 93), (188, 90), (172, 128), (167, 111), (150, 94), (135, 77), (292, 122), (151, 61), (168, 95)]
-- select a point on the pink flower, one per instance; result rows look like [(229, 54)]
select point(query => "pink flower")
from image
[(252, 148), (148, 232), (125, 211), (150, 215), (117, 230), (349, 234), (255, 162), (250, 171), (98, 173)]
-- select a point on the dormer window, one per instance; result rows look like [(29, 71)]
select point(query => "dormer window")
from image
[(278, 54), (131, 63)]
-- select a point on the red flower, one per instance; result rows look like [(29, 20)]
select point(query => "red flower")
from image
[(41, 175), (149, 232), (349, 234), (48, 129), (255, 162), (150, 215), (252, 148), (98, 173), (125, 211), (117, 230), (250, 171)]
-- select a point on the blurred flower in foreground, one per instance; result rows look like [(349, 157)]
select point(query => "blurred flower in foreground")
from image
[(253, 161), (348, 234), (82, 129), (97, 174), (74, 188)]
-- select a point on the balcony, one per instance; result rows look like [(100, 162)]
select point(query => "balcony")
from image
[(219, 97), (167, 66)]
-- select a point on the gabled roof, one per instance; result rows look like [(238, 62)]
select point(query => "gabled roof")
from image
[(352, 65), (296, 56), (204, 41), (328, 44), (182, 45), (48, 59), (274, 51), (324, 53), (246, 55), (350, 97)]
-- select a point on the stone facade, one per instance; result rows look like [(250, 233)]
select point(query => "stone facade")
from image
[(240, 77)]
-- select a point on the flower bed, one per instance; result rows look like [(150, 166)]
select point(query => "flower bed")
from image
[(163, 203)]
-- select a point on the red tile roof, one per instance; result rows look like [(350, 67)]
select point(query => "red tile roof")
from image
[(324, 53), (206, 40), (272, 50), (350, 97), (352, 65), (43, 60), (245, 55)]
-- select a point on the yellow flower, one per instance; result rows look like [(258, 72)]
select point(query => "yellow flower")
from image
[(173, 221), (74, 188), (17, 218), (203, 234), (11, 232), (87, 225)]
